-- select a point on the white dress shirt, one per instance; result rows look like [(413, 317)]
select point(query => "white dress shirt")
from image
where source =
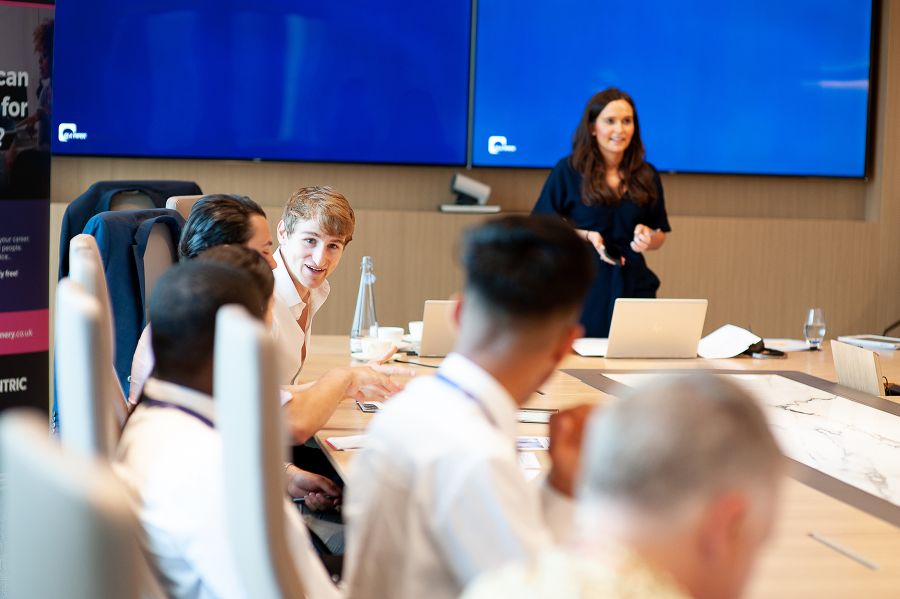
[(290, 338), (172, 460), (142, 364), (436, 497)]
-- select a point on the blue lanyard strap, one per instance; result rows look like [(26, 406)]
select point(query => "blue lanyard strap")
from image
[(156, 403), (451, 383)]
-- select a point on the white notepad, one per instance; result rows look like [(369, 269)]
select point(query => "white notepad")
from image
[(346, 443)]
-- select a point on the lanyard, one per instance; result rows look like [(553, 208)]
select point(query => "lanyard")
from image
[(157, 403), (451, 383)]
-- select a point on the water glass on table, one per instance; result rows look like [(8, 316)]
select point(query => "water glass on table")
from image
[(814, 328)]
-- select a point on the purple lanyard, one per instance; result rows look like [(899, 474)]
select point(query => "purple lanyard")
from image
[(156, 403), (443, 378)]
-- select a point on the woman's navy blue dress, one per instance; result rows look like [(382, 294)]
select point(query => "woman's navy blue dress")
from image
[(562, 196)]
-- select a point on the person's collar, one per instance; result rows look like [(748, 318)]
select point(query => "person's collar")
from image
[(286, 290), (193, 400), (494, 398)]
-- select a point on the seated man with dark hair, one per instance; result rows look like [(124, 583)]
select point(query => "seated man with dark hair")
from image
[(216, 219), (170, 453), (678, 493), (436, 497)]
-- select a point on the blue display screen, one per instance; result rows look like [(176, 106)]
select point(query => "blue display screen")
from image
[(765, 87), (349, 81)]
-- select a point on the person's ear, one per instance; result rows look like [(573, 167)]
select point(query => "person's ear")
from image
[(564, 343), (456, 316), (723, 528), (281, 233)]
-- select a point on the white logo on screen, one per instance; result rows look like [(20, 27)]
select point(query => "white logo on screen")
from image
[(2, 134), (69, 131), (497, 144), (14, 385)]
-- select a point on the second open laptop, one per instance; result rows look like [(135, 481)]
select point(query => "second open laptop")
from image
[(438, 329), (650, 328)]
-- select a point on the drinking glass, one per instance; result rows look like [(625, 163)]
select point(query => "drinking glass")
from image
[(814, 327)]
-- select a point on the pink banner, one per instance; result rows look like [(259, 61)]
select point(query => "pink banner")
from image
[(24, 332)]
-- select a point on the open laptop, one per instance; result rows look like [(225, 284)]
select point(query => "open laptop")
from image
[(650, 328), (438, 330)]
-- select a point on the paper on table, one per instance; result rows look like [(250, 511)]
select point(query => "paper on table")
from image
[(727, 341), (535, 415), (528, 461), (346, 443), (591, 346), (787, 344), (537, 443)]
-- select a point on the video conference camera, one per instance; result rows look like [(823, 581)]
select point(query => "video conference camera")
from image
[(469, 191)]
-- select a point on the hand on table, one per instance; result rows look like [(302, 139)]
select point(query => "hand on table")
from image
[(566, 432), (318, 492), (385, 357), (375, 381)]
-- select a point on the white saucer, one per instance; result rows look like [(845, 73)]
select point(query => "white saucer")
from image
[(412, 340), (364, 357)]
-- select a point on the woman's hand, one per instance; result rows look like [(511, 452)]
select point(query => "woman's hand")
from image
[(646, 238), (596, 240), (643, 236)]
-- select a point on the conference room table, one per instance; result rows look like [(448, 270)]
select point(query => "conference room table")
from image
[(827, 543)]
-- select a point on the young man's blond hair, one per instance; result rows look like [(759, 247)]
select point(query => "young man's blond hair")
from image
[(322, 204)]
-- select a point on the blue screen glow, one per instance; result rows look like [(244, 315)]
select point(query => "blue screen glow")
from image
[(766, 87), (350, 81)]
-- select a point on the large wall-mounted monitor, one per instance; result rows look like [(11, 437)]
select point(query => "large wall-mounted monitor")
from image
[(347, 81), (764, 87)]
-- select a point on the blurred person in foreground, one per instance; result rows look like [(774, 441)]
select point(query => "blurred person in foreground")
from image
[(677, 495), (436, 497)]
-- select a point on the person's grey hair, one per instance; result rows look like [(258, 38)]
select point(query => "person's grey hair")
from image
[(675, 440)]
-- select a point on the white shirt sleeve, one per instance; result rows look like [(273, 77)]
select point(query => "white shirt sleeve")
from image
[(141, 366), (559, 511), (484, 515)]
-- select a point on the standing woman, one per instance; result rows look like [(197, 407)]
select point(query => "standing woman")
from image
[(614, 199)]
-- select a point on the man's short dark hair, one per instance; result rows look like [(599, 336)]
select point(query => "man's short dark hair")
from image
[(248, 261), (183, 309), (217, 219), (527, 267)]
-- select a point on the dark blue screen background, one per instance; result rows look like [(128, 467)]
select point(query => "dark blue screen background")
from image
[(349, 80), (767, 87)]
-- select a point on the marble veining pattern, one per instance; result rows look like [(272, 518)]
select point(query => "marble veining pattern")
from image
[(844, 439)]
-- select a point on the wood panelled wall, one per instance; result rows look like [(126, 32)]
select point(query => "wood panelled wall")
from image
[(762, 249)]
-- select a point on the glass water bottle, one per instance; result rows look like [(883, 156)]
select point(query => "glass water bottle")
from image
[(365, 323)]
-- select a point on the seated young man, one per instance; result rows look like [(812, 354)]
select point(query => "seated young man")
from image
[(170, 453), (437, 497), (677, 495), (315, 227), (221, 219)]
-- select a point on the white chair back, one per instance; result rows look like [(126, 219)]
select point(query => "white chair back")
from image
[(158, 257), (86, 269), (183, 204), (84, 386), (68, 528), (248, 414)]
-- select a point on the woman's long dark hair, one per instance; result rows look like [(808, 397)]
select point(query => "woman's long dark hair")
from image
[(637, 175)]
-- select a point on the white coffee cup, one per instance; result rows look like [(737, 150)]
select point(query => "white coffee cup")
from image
[(392, 334), (415, 329), (374, 348)]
